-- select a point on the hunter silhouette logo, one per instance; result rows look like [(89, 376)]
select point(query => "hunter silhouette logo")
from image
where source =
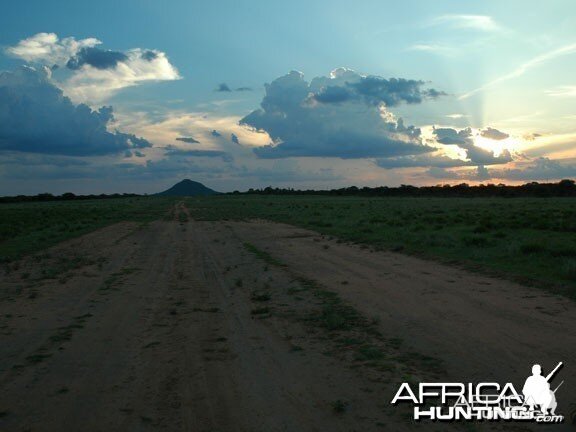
[(488, 401), (537, 391)]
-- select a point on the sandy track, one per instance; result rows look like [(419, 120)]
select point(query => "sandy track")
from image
[(157, 336), (483, 328), (154, 328)]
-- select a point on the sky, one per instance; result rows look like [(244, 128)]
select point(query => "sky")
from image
[(133, 96)]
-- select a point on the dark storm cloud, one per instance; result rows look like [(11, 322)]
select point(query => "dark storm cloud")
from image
[(345, 126), (188, 140), (493, 134), (223, 87), (96, 57), (36, 117)]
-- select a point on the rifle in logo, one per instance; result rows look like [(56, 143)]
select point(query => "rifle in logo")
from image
[(537, 392)]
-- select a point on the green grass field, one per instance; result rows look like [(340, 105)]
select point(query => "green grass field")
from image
[(530, 240), (30, 227)]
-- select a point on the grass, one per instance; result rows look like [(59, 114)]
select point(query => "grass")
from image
[(29, 227), (263, 255), (532, 240)]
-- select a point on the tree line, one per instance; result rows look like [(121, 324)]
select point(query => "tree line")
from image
[(563, 188)]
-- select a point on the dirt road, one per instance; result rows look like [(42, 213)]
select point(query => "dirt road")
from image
[(181, 325)]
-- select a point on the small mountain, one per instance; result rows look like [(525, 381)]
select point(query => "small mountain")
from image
[(188, 188)]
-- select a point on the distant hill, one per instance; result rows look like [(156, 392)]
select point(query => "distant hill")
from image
[(188, 188)]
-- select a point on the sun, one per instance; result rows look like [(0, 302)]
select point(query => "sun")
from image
[(496, 146)]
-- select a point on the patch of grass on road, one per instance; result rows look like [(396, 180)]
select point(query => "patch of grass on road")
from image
[(263, 255)]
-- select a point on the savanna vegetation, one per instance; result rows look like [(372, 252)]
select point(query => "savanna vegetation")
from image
[(28, 227), (532, 240), (528, 239)]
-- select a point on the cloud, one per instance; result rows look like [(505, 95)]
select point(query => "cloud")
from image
[(100, 59), (438, 161), (36, 117), (432, 48), (531, 136), (563, 91), (539, 169), (47, 49), (343, 116), (96, 74), (452, 136), (223, 87), (493, 134), (188, 140), (480, 173), (90, 83), (471, 22), (464, 139), (344, 85), (215, 133), (175, 151), (234, 139), (523, 68), (442, 173)]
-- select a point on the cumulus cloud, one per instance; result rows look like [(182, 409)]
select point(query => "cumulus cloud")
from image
[(91, 83), (48, 49), (234, 138), (493, 134), (464, 139), (215, 133), (345, 84), (96, 74), (36, 117), (345, 115)]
